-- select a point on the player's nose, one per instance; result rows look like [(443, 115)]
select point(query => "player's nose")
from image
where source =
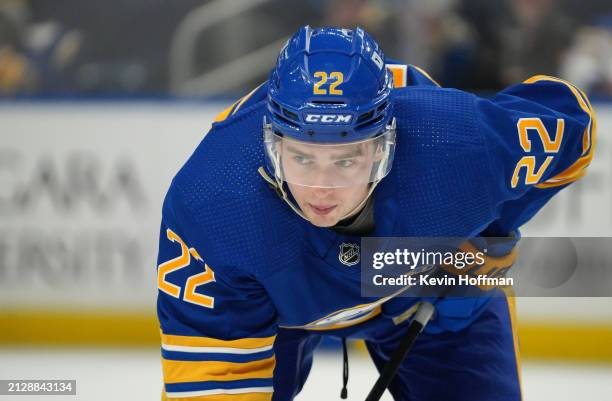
[(322, 179), (322, 192)]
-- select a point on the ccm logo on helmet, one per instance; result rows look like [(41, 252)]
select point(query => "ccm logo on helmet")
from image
[(329, 118)]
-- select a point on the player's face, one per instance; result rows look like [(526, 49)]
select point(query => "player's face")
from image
[(337, 177)]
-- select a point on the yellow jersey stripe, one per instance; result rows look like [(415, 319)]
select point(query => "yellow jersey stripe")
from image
[(510, 299), (245, 98), (225, 113), (197, 371), (233, 109), (539, 78), (189, 341), (592, 133), (573, 173), (422, 71), (586, 140), (491, 263), (491, 266)]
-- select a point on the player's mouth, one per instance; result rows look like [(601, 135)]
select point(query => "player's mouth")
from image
[(321, 210)]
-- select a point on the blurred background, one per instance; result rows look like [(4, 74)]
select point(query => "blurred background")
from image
[(101, 103)]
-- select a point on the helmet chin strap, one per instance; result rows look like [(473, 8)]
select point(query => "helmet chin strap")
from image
[(358, 208), (280, 190), (278, 185)]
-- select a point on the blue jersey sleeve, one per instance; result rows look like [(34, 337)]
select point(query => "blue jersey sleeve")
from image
[(217, 324), (541, 136)]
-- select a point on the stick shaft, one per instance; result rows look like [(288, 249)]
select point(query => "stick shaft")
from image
[(420, 320)]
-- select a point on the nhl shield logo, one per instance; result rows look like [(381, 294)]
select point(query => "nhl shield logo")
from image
[(349, 254)]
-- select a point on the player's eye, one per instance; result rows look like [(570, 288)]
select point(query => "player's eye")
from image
[(302, 161), (346, 163)]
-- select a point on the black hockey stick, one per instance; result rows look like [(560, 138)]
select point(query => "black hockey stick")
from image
[(422, 316)]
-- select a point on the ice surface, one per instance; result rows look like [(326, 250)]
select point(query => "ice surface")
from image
[(135, 375)]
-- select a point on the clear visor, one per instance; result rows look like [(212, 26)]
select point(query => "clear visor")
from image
[(329, 165)]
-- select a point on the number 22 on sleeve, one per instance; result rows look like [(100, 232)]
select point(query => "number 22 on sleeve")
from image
[(524, 125), (193, 282)]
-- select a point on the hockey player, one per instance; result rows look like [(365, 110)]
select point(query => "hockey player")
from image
[(261, 226)]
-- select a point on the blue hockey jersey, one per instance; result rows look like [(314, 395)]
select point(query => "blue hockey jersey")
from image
[(236, 263)]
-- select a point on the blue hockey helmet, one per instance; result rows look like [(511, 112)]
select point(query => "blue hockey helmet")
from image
[(330, 88), (330, 85)]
